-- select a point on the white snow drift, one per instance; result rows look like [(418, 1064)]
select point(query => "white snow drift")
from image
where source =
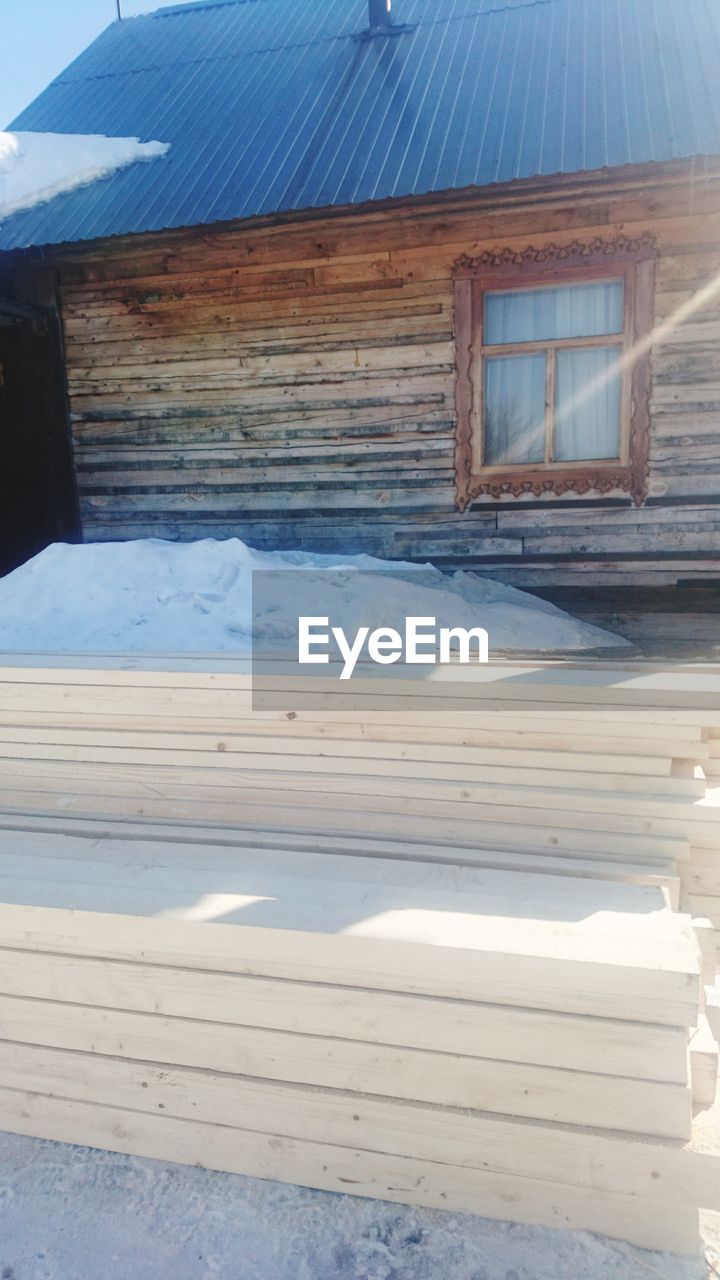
[(153, 596), (36, 167)]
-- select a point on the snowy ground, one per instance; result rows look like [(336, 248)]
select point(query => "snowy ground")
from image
[(154, 596), (69, 1213)]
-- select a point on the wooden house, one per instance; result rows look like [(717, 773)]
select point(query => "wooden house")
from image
[(441, 284), (443, 287)]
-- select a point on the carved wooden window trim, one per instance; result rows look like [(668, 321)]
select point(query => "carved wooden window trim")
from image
[(633, 260)]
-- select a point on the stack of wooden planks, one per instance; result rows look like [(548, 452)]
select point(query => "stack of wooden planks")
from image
[(535, 767), (513, 1044), (701, 874), (429, 942)]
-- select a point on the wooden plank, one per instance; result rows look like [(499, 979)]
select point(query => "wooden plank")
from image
[(703, 879), (651, 1223), (358, 742), (275, 812), (226, 793), (597, 748), (358, 760), (705, 935), (341, 813), (520, 1089), (470, 1139), (278, 868), (681, 697), (659, 852), (703, 1064), (567, 1041), (385, 862), (147, 852), (215, 706), (644, 682), (706, 906), (457, 907), (667, 992)]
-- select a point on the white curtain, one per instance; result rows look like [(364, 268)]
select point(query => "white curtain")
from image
[(514, 410), (587, 404), (535, 315)]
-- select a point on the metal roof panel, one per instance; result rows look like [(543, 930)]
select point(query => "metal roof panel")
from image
[(279, 105)]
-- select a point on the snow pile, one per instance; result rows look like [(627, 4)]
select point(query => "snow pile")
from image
[(35, 167), (154, 596)]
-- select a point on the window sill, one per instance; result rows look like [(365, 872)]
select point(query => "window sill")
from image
[(515, 482)]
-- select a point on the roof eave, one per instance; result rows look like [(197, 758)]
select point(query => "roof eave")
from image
[(579, 186)]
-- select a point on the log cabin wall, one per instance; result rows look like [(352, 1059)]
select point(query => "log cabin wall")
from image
[(293, 384)]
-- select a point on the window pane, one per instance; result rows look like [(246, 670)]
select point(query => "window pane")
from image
[(573, 311), (514, 410), (587, 404)]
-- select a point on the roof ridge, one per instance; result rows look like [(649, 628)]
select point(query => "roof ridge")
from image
[(500, 6)]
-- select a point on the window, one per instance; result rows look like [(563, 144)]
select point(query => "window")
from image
[(553, 376)]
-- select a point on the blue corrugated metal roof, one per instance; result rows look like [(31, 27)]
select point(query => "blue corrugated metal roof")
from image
[(275, 105)]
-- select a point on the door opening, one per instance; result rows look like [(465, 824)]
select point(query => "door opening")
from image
[(38, 502)]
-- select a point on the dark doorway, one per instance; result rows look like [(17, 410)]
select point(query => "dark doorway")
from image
[(38, 503)]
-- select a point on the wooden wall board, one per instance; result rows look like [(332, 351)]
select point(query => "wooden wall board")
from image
[(214, 344)]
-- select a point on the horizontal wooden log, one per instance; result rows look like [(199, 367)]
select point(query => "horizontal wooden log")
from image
[(245, 325)]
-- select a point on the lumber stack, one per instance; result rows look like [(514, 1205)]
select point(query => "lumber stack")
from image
[(701, 874), (508, 1043), (586, 771), (432, 943)]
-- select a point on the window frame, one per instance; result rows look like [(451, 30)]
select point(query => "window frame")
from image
[(631, 261)]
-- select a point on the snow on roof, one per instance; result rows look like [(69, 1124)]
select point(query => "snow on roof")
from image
[(36, 167)]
